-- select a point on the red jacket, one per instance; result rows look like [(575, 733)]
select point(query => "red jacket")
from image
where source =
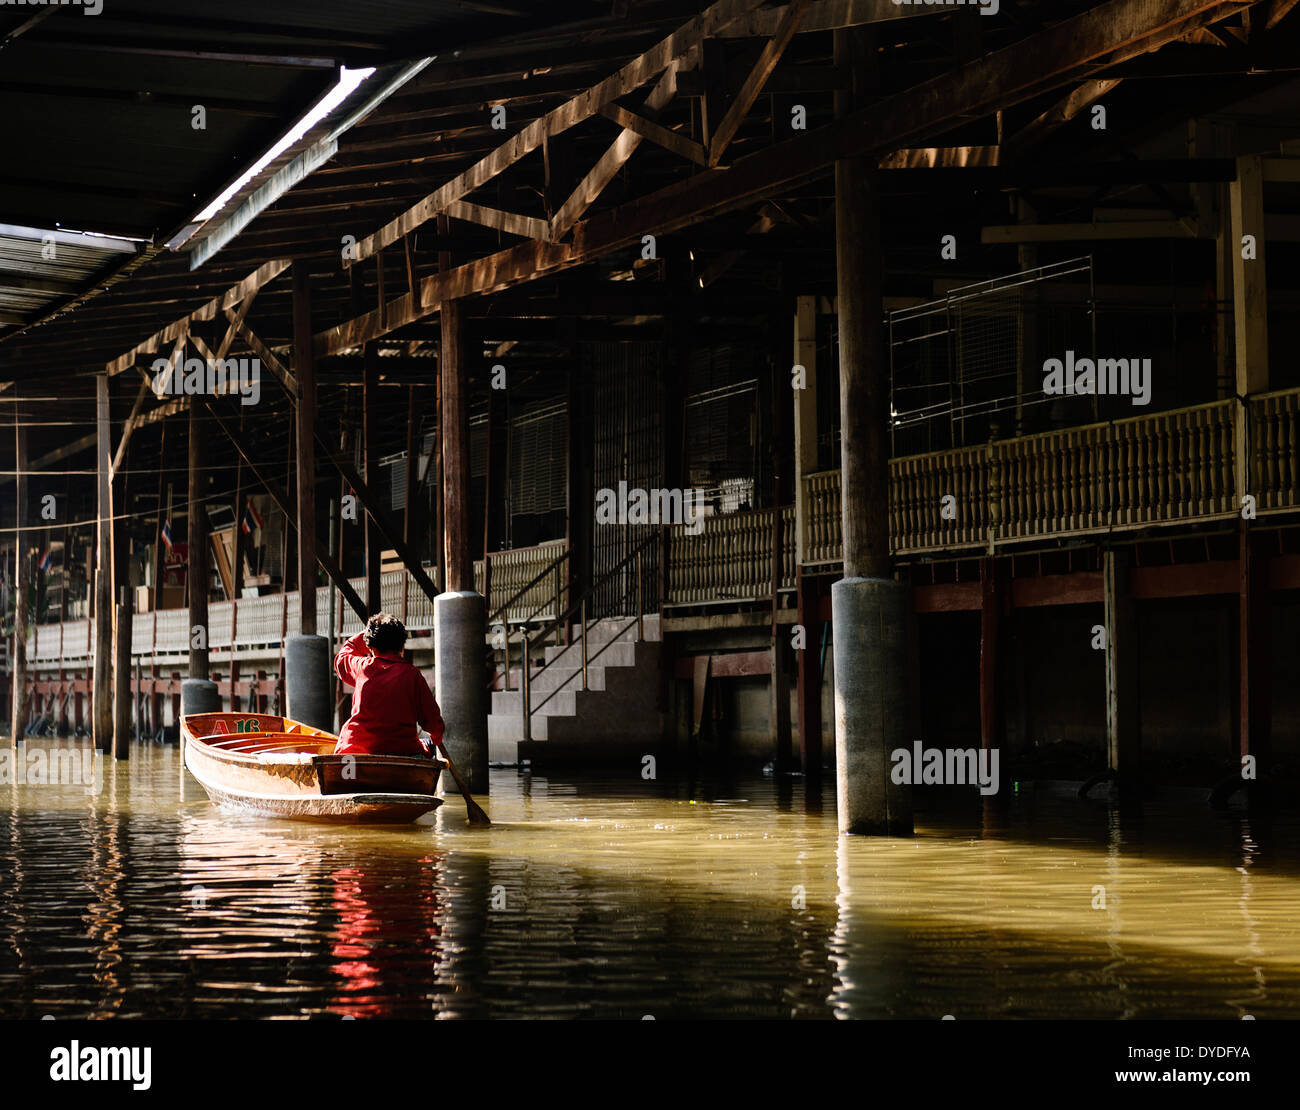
[(390, 700)]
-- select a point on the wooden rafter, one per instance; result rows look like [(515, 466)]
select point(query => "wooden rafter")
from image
[(1062, 111), (613, 160), (581, 107), (233, 296), (656, 133), (1056, 56), (753, 84)]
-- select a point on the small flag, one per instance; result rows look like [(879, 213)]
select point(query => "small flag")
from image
[(167, 534), (251, 521), (44, 565)]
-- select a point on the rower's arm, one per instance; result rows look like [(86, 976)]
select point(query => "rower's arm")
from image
[(427, 711), (347, 665)]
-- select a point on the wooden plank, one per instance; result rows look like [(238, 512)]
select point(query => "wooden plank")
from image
[(370, 451), (196, 518), (1123, 720), (991, 601), (558, 120), (1105, 230), (753, 84)]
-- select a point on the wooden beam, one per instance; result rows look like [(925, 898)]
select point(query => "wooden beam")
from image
[(129, 427), (390, 533), (530, 227), (264, 353), (753, 84), (453, 435), (613, 160), (656, 133), (1096, 231), (631, 76), (370, 452), (1061, 112), (281, 500), (1048, 59), (265, 273)]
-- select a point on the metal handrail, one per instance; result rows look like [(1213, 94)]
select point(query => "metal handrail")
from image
[(580, 608), (505, 607)]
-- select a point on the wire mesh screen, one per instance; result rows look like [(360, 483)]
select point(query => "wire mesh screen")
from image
[(968, 367), (627, 405), (538, 458)]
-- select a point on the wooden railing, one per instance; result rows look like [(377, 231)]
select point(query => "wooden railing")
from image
[(514, 569), (1275, 450), (730, 558), (1165, 468)]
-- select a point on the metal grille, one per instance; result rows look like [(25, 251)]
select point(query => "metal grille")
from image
[(538, 459), (969, 366), (627, 404)]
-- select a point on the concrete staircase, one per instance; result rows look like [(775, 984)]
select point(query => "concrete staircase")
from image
[(619, 710)]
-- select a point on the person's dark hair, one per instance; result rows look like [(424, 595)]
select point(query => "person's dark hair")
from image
[(384, 632)]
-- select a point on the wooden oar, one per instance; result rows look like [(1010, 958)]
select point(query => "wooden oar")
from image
[(472, 809)]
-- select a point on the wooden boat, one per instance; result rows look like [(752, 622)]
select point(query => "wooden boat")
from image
[(274, 767)]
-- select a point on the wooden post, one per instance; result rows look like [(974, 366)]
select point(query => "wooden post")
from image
[(22, 585), (805, 415), (122, 677), (1254, 734), (102, 693), (305, 371), (370, 469), (808, 676), (1249, 289), (870, 610), (990, 630), (864, 370), (781, 450), (454, 427), (1123, 720), (237, 577), (196, 517), (412, 474)]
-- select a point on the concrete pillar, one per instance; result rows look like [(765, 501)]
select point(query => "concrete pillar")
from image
[(199, 695), (869, 608), (459, 630), (869, 624), (308, 685)]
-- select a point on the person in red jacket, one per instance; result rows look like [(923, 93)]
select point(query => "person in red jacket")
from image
[(392, 701)]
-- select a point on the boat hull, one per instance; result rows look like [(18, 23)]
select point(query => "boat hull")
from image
[(268, 766)]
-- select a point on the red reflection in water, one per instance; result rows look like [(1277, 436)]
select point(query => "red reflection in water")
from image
[(386, 944)]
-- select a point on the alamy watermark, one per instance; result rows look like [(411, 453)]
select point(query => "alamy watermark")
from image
[(919, 765), (40, 766), (1107, 377), (214, 377), (986, 7), (655, 506), (88, 7)]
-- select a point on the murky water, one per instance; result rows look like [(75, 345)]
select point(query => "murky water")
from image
[(602, 898)]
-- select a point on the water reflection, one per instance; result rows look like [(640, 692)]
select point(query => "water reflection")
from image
[(622, 898)]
